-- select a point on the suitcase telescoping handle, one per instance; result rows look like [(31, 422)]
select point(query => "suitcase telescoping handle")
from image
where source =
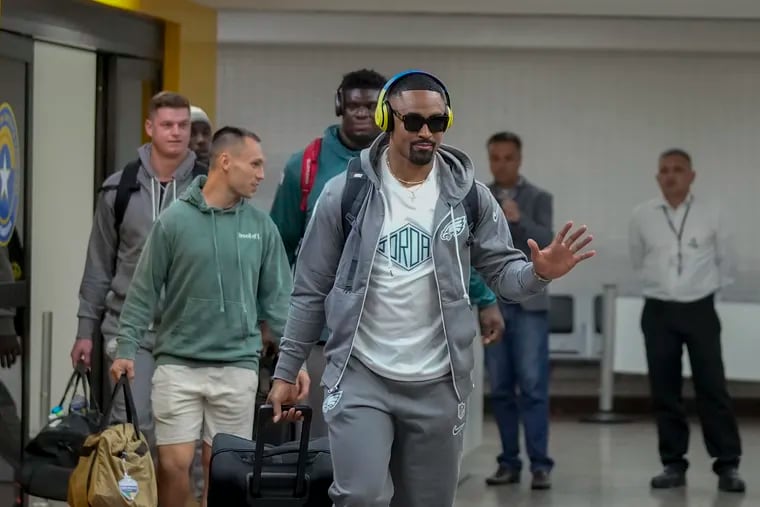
[(264, 417)]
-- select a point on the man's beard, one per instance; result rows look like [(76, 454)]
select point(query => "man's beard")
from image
[(421, 157)]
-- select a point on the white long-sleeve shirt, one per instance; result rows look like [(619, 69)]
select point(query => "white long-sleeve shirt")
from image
[(698, 264)]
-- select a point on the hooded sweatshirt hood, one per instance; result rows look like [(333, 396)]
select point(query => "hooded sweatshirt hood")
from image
[(456, 172), (223, 270), (149, 180)]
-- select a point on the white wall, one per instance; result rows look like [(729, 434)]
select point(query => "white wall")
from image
[(63, 158), (739, 322), (482, 31)]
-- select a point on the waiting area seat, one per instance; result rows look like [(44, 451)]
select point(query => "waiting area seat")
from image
[(561, 314)]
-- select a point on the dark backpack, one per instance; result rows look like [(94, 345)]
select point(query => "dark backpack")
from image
[(357, 186), (128, 184)]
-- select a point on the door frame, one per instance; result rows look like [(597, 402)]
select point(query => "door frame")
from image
[(111, 70), (21, 48)]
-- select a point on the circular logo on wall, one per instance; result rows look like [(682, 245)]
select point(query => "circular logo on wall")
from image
[(9, 175)]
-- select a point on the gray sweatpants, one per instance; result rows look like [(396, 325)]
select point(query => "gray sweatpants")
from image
[(394, 443)]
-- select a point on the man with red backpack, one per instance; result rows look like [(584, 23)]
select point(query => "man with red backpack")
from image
[(303, 179)]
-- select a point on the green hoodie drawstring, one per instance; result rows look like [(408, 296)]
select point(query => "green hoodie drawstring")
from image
[(218, 265), (239, 266), (240, 270)]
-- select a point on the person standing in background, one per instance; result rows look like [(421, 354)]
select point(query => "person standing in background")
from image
[(682, 248), (518, 365), (304, 177), (200, 134)]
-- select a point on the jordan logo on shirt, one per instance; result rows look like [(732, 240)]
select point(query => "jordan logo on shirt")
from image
[(409, 246)]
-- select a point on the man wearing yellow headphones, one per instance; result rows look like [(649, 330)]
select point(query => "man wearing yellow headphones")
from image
[(390, 246), (304, 177)]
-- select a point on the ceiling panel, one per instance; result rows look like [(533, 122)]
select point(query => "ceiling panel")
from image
[(646, 8)]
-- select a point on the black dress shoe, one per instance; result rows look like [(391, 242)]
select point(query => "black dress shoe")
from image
[(669, 478), (503, 476), (730, 481), (542, 479)]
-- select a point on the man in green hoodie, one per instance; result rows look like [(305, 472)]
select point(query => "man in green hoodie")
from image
[(224, 269), (303, 179)]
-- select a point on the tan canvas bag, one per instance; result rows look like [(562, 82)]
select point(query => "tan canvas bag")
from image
[(116, 467)]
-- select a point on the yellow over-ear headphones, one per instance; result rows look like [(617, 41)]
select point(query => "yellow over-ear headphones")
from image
[(383, 112)]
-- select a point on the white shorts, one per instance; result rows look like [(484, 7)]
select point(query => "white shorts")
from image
[(218, 400)]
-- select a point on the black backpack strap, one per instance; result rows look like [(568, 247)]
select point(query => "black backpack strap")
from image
[(127, 184), (354, 193), (471, 205)]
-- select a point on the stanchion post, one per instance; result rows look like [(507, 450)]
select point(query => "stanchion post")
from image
[(46, 360), (607, 374)]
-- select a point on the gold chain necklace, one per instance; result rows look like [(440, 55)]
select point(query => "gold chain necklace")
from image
[(404, 182), (409, 184)]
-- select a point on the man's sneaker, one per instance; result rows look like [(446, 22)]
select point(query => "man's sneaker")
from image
[(669, 478), (731, 482), (503, 476), (542, 479)]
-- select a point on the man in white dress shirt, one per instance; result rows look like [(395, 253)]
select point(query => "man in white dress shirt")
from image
[(681, 248)]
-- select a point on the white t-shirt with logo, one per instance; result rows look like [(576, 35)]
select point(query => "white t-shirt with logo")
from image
[(400, 335)]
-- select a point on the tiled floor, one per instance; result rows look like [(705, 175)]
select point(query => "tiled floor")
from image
[(608, 466)]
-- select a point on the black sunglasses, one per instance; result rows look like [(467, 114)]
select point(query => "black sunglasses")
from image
[(413, 122)]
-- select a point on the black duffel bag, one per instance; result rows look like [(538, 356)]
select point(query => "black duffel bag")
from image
[(246, 473), (50, 457)]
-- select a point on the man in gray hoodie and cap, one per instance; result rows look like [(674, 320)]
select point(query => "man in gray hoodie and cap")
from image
[(134, 196), (390, 245)]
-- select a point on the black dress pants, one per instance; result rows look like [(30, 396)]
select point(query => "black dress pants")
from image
[(667, 327)]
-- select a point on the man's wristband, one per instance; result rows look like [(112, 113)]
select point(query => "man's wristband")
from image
[(539, 277)]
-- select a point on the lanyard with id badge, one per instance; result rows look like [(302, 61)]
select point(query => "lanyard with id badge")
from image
[(678, 233)]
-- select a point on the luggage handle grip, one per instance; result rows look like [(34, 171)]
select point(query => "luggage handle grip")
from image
[(264, 417)]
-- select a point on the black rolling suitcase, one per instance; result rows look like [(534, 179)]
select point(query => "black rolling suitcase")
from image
[(245, 473)]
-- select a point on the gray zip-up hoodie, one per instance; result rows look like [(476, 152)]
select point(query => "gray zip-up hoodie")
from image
[(331, 279), (102, 291)]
